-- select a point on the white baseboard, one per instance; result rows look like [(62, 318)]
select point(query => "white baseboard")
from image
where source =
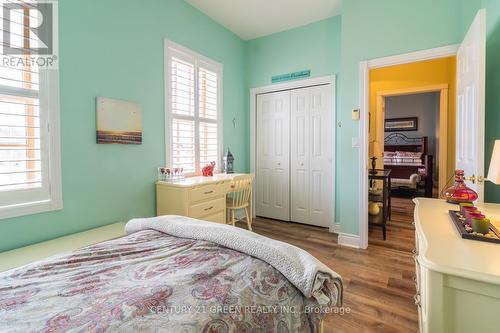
[(345, 239), (335, 228), (349, 240), (25, 255)]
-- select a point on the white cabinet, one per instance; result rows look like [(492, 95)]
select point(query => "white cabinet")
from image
[(294, 155), (458, 280)]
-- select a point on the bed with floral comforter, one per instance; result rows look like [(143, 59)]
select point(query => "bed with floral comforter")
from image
[(150, 281)]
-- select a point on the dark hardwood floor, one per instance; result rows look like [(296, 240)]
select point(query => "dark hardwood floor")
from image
[(378, 282)]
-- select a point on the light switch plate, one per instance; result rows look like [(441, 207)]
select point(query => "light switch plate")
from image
[(355, 142), (355, 114)]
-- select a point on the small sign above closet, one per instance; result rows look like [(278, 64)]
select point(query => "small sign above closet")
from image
[(291, 76)]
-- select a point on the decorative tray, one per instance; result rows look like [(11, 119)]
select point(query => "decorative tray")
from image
[(459, 222)]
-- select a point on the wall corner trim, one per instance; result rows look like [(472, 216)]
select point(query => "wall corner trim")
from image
[(349, 240), (335, 228)]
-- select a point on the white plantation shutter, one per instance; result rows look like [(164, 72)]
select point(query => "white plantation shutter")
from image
[(193, 110), (20, 155), (207, 93), (208, 110), (182, 87), (26, 102), (208, 143), (20, 137), (183, 112), (183, 145)]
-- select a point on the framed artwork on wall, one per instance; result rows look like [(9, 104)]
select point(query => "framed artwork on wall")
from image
[(118, 121), (401, 124)]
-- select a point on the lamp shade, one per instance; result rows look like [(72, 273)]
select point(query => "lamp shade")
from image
[(375, 150), (494, 171)]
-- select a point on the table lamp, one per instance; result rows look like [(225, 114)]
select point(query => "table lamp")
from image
[(375, 152), (494, 171)]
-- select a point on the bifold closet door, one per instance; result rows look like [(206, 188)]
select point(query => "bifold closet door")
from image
[(311, 155), (273, 156)]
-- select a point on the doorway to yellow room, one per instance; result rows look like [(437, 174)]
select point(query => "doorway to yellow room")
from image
[(411, 134), (420, 78)]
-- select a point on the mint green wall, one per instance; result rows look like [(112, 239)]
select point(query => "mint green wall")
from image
[(366, 30), (492, 88), (114, 48), (373, 29), (314, 46)]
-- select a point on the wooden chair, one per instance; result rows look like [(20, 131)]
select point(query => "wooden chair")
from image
[(239, 198)]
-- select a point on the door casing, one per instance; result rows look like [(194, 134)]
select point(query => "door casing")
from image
[(442, 89), (361, 241)]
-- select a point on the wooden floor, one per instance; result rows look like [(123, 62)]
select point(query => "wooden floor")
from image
[(378, 282)]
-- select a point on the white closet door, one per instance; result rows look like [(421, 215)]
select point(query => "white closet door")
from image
[(311, 155), (320, 157), (273, 161), (299, 155)]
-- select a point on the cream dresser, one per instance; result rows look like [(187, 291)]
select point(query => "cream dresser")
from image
[(202, 198), (458, 280)]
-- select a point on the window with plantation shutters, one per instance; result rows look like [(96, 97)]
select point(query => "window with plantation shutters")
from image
[(193, 110), (29, 157)]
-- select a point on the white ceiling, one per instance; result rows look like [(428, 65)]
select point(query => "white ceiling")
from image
[(250, 19)]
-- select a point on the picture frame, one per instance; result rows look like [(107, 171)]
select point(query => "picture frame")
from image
[(118, 121), (401, 124)]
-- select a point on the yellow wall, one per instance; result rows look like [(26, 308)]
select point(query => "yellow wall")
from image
[(419, 74)]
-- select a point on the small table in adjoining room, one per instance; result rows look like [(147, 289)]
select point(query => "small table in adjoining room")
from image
[(383, 197)]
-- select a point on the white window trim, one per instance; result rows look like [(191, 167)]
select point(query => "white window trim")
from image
[(49, 98), (168, 45)]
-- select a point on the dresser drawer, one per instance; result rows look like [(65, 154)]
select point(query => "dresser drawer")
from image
[(206, 192), (217, 218), (208, 208)]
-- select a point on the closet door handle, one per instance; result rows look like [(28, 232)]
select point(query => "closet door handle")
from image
[(278, 163), (301, 164)]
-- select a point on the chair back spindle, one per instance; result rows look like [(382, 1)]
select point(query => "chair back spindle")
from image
[(239, 198), (241, 191)]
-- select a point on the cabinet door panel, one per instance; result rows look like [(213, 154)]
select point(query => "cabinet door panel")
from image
[(299, 156), (273, 162), (320, 181)]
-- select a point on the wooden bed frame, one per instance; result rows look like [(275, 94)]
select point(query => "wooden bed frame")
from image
[(400, 142)]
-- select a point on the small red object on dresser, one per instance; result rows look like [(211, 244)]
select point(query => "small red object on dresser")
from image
[(459, 192), (208, 170)]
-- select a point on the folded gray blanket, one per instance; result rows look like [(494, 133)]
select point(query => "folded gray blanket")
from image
[(304, 271)]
